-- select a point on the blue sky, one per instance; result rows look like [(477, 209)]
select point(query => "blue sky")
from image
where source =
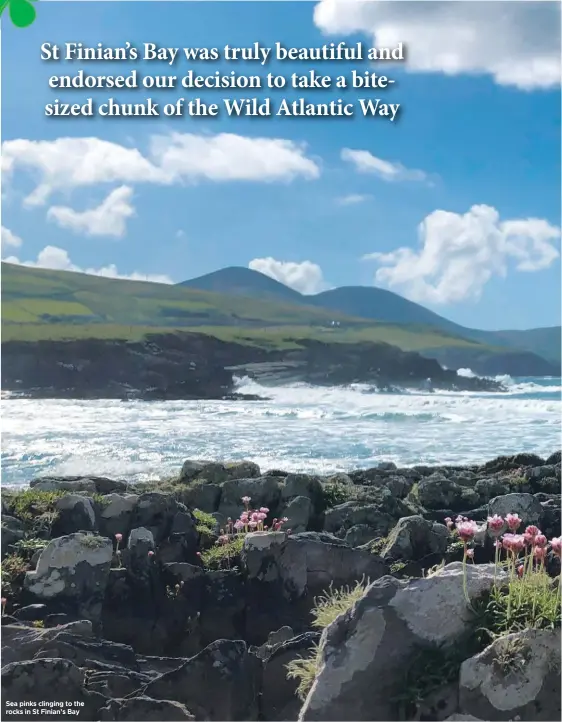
[(474, 156)]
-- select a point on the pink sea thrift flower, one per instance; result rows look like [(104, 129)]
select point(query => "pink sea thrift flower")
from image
[(264, 510), (520, 570), (449, 522), (151, 553), (541, 540), (470, 553), (513, 521), (532, 530), (239, 525), (513, 542), (539, 553), (466, 530), (495, 524), (253, 524), (556, 544), (246, 500), (223, 539), (119, 538)]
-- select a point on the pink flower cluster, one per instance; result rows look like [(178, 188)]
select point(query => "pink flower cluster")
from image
[(253, 520), (510, 541)]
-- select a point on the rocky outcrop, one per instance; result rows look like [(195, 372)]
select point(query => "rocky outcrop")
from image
[(516, 677), (148, 604), (363, 651), (195, 366)]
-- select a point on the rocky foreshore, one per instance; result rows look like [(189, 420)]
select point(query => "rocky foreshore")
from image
[(197, 366), (235, 593)]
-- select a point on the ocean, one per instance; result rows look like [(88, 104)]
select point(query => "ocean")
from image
[(300, 429)]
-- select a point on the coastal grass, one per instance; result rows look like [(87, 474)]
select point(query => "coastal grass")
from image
[(206, 523), (327, 608), (221, 556)]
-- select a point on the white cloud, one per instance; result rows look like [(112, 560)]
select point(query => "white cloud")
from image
[(305, 277), (68, 163), (365, 162), (459, 254), (353, 199), (57, 259), (228, 157), (107, 219), (9, 239), (517, 43)]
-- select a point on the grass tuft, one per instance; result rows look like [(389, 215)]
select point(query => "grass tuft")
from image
[(220, 554), (326, 609)]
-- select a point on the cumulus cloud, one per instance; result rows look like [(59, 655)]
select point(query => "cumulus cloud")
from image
[(9, 239), (107, 219), (229, 157), (353, 199), (365, 162), (68, 163), (305, 277), (57, 259), (516, 43), (459, 254)]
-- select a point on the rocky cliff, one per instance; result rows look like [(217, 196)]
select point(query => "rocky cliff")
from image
[(194, 366)]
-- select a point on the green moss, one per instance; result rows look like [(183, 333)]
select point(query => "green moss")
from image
[(335, 494), (223, 556), (397, 567), (30, 504), (27, 547), (378, 544), (206, 524), (13, 569)]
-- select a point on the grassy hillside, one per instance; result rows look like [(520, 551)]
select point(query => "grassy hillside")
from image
[(43, 304), (378, 305)]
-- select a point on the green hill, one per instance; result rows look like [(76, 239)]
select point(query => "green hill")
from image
[(41, 304), (379, 305)]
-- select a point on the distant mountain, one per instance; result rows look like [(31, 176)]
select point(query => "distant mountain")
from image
[(377, 304), (240, 281)]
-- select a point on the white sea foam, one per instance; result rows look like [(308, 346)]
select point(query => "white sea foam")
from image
[(302, 428)]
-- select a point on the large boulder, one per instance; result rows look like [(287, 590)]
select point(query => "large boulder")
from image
[(222, 682), (304, 563), (72, 574), (75, 513), (155, 511), (91, 484), (56, 683), (263, 492), (116, 514), (440, 492), (343, 517), (516, 677), (526, 505), (365, 652), (20, 643), (414, 538), (12, 531), (216, 473)]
